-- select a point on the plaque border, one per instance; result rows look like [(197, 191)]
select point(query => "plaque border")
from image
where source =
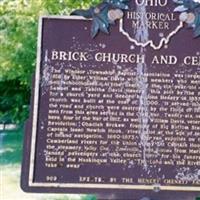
[(36, 91)]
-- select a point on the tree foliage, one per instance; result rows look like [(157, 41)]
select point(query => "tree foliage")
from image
[(18, 41)]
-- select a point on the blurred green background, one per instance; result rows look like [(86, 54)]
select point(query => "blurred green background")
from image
[(18, 42)]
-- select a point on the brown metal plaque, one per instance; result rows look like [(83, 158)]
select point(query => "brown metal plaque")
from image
[(116, 115)]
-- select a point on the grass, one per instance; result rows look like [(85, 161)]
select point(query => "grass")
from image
[(11, 147), (10, 171)]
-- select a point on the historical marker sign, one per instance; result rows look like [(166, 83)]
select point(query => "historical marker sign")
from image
[(116, 114)]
